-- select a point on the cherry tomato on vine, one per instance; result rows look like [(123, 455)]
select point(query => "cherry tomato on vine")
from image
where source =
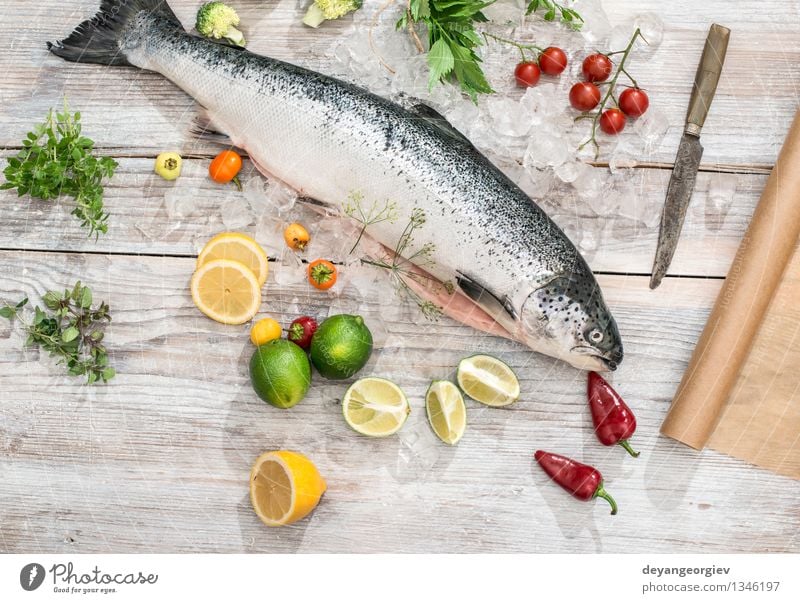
[(612, 121), (225, 167), (322, 274), (553, 60), (584, 96), (633, 102), (597, 67), (527, 74)]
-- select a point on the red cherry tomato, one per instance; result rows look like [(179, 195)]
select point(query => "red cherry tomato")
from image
[(527, 74), (612, 121), (584, 96), (553, 60), (633, 102), (597, 67)]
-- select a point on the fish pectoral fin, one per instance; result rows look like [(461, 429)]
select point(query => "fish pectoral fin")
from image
[(204, 127), (433, 117), (496, 305)]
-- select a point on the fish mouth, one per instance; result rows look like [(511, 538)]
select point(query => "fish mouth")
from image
[(594, 361)]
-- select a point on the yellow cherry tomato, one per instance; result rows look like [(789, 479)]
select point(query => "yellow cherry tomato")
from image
[(265, 330), (168, 165), (296, 236)]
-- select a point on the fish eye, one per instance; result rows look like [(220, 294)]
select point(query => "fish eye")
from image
[(596, 336)]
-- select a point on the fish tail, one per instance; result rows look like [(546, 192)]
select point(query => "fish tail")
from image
[(100, 39)]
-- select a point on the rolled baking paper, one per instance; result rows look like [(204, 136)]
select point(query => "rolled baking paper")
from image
[(755, 274)]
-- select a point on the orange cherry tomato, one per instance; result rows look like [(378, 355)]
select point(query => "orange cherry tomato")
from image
[(322, 274), (225, 167), (296, 236)]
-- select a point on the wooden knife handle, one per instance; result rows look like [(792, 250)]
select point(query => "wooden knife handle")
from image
[(707, 77)]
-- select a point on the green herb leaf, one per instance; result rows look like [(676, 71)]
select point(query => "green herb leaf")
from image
[(568, 16), (71, 331), (440, 61), (56, 160), (69, 334)]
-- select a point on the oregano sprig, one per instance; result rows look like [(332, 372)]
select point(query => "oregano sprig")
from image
[(56, 160), (69, 327), (566, 15)]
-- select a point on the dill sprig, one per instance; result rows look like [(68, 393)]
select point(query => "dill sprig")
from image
[(367, 216)]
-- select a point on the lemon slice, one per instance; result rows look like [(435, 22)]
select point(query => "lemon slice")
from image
[(375, 407), (285, 486), (446, 411), (488, 380), (239, 248), (226, 291)]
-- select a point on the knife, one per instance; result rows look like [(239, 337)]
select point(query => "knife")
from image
[(690, 151)]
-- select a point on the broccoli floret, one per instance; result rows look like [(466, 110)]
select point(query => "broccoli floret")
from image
[(328, 10), (217, 20)]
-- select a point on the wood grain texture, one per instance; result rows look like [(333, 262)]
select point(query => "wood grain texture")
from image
[(752, 108), (152, 216), (157, 460)]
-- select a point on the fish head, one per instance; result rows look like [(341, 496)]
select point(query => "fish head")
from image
[(568, 318)]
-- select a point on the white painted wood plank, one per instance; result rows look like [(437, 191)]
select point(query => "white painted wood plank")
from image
[(152, 216), (157, 461), (755, 101)]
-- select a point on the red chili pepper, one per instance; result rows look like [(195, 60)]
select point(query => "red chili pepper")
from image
[(582, 481), (613, 420)]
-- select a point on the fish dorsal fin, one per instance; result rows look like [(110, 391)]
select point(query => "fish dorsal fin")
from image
[(433, 117), (494, 304), (204, 127)]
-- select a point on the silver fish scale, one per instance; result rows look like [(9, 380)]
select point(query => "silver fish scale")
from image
[(329, 138)]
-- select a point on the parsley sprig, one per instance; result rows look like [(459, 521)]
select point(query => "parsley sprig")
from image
[(567, 16), (71, 328), (453, 38), (56, 160)]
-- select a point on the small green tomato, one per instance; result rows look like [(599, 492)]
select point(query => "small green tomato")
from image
[(168, 165)]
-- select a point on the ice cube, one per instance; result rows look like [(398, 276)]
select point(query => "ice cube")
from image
[(567, 171), (178, 203), (546, 148), (651, 128), (652, 29), (596, 26), (721, 192), (419, 451), (509, 117), (235, 212)]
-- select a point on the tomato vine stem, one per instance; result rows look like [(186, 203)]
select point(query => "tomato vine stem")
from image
[(609, 93)]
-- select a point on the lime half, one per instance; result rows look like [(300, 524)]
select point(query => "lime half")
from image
[(375, 407), (446, 411), (488, 380)]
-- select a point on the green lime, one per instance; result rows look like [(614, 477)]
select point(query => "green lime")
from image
[(280, 373), (341, 346)]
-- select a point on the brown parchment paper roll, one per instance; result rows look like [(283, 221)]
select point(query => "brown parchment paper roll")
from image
[(752, 280)]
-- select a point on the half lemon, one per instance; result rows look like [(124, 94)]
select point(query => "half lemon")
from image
[(285, 486)]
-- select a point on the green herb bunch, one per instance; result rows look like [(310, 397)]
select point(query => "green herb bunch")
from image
[(568, 16), (71, 328), (57, 160), (453, 39)]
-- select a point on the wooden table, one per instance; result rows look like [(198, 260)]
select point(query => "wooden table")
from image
[(157, 461)]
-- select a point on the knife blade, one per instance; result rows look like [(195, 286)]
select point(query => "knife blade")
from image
[(690, 151)]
